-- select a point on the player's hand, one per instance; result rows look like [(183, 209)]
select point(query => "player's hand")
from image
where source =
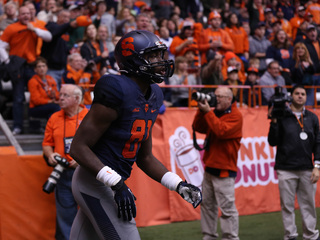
[(125, 200), (190, 193)]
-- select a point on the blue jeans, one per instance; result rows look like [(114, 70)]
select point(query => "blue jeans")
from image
[(66, 206), (19, 87), (57, 75)]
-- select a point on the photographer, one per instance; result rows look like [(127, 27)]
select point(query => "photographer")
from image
[(223, 129), (59, 133), (297, 138)]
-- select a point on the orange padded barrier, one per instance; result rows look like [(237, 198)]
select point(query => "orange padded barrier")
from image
[(26, 212)]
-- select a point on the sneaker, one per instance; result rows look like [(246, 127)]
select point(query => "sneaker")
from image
[(16, 131)]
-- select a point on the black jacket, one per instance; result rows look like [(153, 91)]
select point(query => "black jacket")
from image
[(313, 54), (56, 51), (292, 152)]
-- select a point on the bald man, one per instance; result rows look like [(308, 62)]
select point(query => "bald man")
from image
[(223, 129), (60, 129)]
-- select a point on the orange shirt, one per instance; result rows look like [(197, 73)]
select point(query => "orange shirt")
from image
[(208, 36), (23, 42), (176, 41), (84, 79), (40, 92), (295, 24), (60, 126), (239, 38), (314, 9)]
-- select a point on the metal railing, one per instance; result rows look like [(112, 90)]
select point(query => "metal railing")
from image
[(256, 100)]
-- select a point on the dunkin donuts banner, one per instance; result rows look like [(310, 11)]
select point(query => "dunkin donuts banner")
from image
[(256, 182), (26, 207)]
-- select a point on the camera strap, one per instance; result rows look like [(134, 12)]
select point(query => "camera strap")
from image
[(195, 143)]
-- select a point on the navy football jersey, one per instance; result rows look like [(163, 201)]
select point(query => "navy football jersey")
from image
[(119, 145)]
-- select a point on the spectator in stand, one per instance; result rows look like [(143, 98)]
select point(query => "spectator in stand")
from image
[(281, 50), (285, 24), (258, 45), (104, 17), (92, 50), (162, 8), (287, 8), (252, 80), (143, 22), (123, 20), (256, 12), (44, 95), (303, 70), (57, 51), (270, 78), (81, 73), (312, 43), (185, 42), (211, 71), (22, 37), (75, 34), (107, 46), (58, 136), (297, 20), (302, 32), (276, 26), (214, 37), (166, 39), (232, 60), (10, 11), (314, 9), (234, 81), (254, 63), (49, 13), (173, 28), (239, 38), (269, 20), (180, 95)]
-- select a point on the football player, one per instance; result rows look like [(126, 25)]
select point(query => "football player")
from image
[(116, 133)]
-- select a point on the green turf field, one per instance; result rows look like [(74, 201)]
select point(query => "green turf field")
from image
[(254, 227)]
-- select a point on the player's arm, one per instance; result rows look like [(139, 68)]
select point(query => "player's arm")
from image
[(95, 123), (148, 163)]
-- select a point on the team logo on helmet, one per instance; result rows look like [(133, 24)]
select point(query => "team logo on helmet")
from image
[(127, 46)]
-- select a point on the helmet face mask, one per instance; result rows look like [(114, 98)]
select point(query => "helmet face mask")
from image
[(133, 52)]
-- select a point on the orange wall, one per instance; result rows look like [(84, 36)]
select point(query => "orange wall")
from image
[(26, 212)]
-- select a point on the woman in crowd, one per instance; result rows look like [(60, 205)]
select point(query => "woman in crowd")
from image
[(92, 50), (180, 95), (303, 70), (239, 37), (44, 94), (281, 50)]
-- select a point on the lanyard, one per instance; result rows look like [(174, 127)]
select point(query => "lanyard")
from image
[(300, 123)]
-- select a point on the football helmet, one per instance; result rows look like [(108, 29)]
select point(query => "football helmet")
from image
[(130, 56)]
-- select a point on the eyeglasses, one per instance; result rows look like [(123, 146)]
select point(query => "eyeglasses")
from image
[(219, 96), (65, 95)]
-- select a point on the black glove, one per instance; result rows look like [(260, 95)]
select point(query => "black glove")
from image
[(125, 200), (190, 193)]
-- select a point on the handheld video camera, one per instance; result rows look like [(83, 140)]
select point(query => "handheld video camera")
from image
[(210, 97), (55, 175), (279, 102)]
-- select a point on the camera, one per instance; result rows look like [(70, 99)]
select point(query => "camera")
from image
[(210, 97), (55, 175), (279, 102)]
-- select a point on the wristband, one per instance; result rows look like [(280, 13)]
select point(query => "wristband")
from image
[(108, 176), (170, 180)]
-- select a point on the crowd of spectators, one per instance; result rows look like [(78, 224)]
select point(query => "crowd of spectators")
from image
[(234, 42)]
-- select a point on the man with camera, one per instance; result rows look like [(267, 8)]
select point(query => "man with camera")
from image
[(223, 129), (297, 163), (60, 129)]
